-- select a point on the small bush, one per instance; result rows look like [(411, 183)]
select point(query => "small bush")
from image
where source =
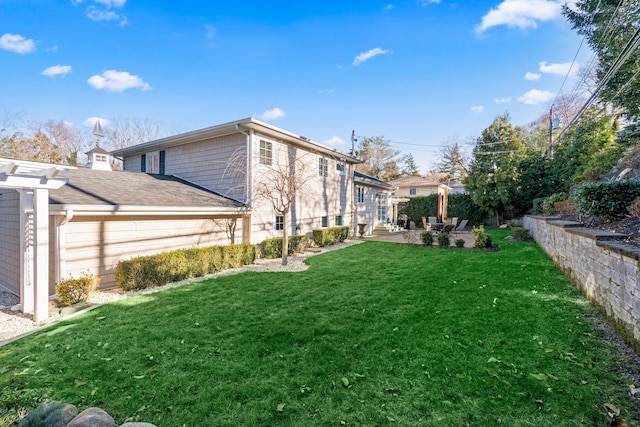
[(548, 205), (73, 291), (537, 205), (520, 233), (443, 240), (606, 199), (482, 239), (427, 238), (329, 236), (459, 243), (272, 248)]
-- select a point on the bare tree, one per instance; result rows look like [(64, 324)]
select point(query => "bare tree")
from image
[(280, 185), (125, 132)]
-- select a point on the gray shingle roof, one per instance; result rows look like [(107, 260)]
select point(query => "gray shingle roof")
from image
[(118, 188)]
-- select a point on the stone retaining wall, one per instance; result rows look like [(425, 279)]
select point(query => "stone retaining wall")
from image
[(605, 269)]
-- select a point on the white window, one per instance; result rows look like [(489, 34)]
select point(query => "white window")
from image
[(338, 220), (279, 222), (266, 153), (360, 194), (413, 191), (325, 221), (153, 162), (323, 167)]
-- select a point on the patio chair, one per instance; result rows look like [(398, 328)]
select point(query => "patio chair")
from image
[(447, 229), (461, 227), (453, 221)]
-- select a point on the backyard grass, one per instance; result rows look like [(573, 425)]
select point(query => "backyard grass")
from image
[(373, 334)]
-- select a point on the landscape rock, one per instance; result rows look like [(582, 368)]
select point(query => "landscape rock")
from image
[(50, 414), (92, 417)]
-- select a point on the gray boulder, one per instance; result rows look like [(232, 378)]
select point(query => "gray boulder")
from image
[(92, 417), (50, 414)]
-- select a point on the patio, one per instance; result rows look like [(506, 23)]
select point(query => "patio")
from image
[(400, 237)]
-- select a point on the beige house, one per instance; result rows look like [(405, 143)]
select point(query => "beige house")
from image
[(200, 188), (236, 159), (417, 186)]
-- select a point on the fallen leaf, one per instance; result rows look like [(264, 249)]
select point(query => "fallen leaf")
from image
[(280, 407), (609, 407), (493, 360), (540, 377), (345, 382)]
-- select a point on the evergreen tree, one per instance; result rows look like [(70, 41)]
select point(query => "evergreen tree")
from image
[(380, 159), (493, 175), (608, 26)]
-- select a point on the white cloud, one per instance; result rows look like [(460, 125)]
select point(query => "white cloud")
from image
[(521, 14), (535, 96), (335, 140), (503, 100), (117, 81), (326, 91), (273, 114), (560, 69), (98, 15), (91, 122), (428, 2), (211, 32), (388, 7), (111, 3), (365, 56), (532, 76), (17, 43), (477, 108), (57, 70)]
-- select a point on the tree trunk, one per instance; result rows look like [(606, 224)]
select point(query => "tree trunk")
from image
[(285, 237)]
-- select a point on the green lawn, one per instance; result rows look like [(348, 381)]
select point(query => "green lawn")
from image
[(374, 334)]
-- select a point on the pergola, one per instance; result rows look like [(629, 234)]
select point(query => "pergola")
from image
[(33, 181)]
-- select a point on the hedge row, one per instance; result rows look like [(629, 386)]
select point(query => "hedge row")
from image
[(272, 248), (606, 199), (157, 270), (329, 236)]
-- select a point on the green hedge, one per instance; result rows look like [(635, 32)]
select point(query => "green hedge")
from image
[(157, 270), (329, 236), (272, 248), (418, 207), (606, 199)]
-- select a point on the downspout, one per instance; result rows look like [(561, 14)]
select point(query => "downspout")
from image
[(60, 253), (246, 220)]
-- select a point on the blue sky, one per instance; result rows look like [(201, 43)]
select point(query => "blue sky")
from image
[(417, 72)]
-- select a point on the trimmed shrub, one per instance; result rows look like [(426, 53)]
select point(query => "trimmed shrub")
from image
[(443, 240), (427, 238), (606, 199), (272, 248), (157, 270), (329, 236), (459, 243), (72, 291)]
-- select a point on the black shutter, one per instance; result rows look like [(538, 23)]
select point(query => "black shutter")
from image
[(143, 163), (162, 163)]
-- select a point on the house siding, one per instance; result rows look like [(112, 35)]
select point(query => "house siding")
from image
[(218, 164), (10, 240), (96, 245), (323, 196)]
